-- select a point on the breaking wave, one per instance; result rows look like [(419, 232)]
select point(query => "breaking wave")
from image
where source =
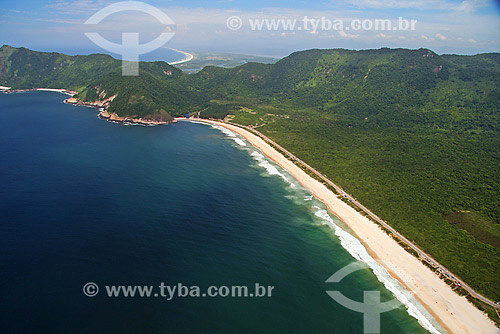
[(349, 242)]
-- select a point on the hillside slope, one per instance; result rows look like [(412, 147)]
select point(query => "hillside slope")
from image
[(96, 77), (413, 135)]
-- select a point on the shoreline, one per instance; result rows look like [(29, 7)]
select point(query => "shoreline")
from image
[(452, 311), (113, 117), (101, 106), (188, 57), (56, 90)]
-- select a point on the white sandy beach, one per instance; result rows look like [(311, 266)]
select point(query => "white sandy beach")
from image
[(188, 57), (57, 90), (455, 313)]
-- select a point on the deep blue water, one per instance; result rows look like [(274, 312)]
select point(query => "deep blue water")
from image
[(84, 200)]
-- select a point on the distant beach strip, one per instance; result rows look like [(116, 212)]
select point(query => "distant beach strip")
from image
[(187, 57)]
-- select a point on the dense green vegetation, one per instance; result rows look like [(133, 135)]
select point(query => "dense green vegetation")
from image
[(413, 135), (95, 77)]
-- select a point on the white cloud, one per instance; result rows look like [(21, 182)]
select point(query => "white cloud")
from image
[(384, 36), (378, 4), (441, 36), (76, 7), (466, 5), (469, 6), (343, 34), (453, 28)]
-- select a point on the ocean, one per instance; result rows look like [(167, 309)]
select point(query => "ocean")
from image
[(85, 200)]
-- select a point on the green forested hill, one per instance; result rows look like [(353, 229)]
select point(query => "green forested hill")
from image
[(91, 75), (415, 136)]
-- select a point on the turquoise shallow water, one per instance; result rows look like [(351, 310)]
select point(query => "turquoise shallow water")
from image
[(84, 200)]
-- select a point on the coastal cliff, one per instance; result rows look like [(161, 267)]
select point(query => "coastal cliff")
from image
[(103, 102), (159, 118), (96, 81)]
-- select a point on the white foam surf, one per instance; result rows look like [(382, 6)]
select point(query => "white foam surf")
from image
[(349, 242), (359, 252), (193, 121), (224, 130), (230, 134), (269, 166), (239, 142)]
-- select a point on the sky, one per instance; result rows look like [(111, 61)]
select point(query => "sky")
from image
[(444, 26)]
